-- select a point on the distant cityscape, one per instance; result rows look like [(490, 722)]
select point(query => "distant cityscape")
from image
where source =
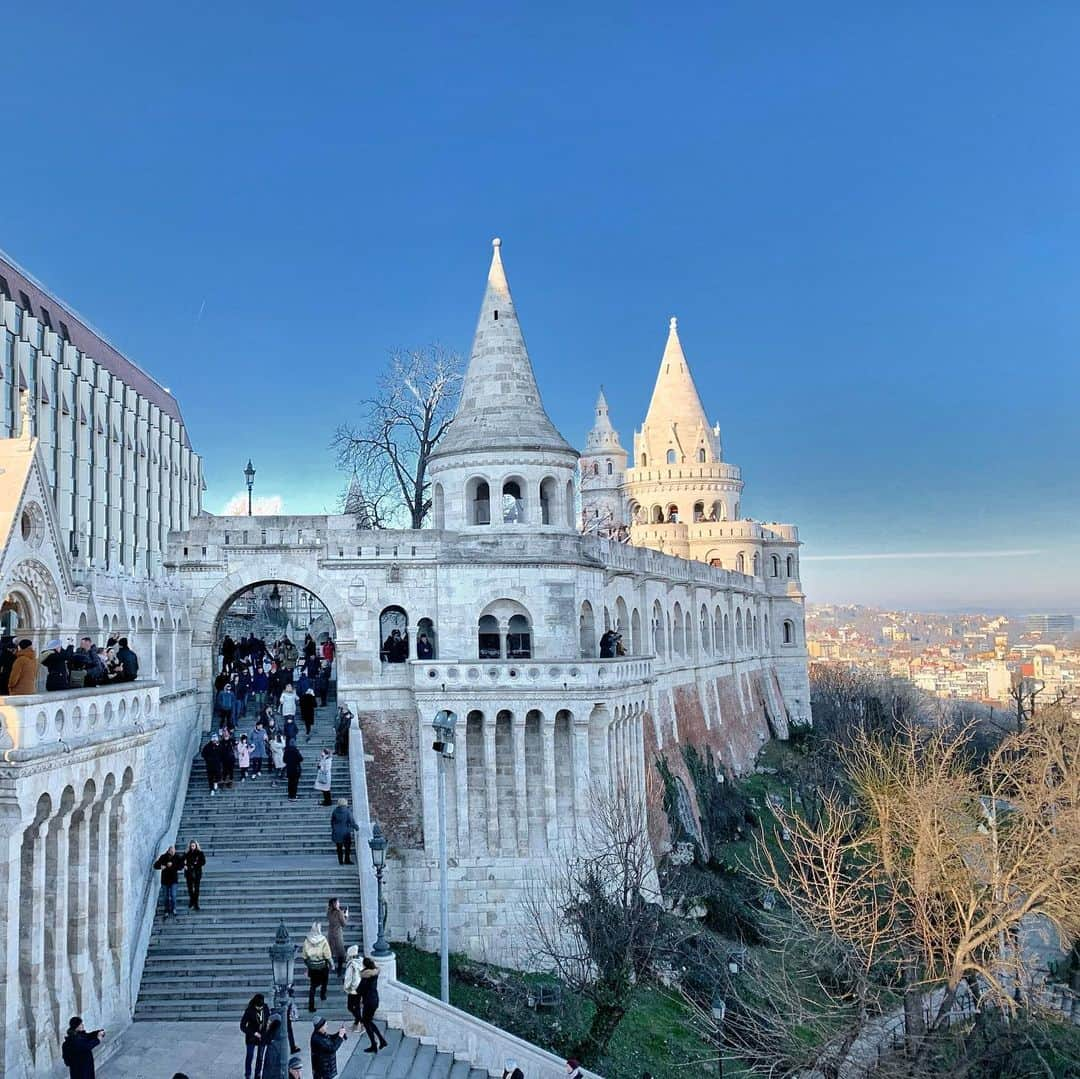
[(953, 656)]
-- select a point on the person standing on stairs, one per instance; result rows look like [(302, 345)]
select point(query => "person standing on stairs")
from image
[(170, 863), (317, 958), (276, 746), (293, 759), (258, 750), (324, 1049), (243, 756), (324, 776), (307, 710), (369, 1004), (342, 826), (194, 860), (288, 706), (336, 920), (211, 754), (227, 749), (254, 1025), (353, 967)]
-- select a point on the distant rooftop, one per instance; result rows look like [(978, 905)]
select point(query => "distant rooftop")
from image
[(31, 295)]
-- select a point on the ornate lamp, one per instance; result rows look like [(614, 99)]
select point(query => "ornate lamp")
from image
[(380, 949)]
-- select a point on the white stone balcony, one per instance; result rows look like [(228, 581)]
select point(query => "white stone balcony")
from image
[(75, 717), (528, 674)]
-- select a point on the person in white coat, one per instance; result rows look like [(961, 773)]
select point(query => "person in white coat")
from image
[(323, 780)]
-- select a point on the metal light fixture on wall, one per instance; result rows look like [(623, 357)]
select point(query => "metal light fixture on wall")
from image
[(274, 602)]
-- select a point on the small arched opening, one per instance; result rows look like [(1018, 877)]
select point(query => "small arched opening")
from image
[(549, 491), (568, 507), (774, 565), (478, 500), (587, 631), (518, 638), (672, 516), (699, 511), (703, 629), (738, 631), (740, 563), (427, 641), (657, 515), (678, 643), (791, 565), (438, 506), (393, 635), (671, 457), (789, 631), (757, 563), (719, 510), (513, 502), (658, 629), (635, 633), (488, 637)]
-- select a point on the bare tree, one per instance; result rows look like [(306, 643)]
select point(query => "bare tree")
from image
[(594, 919), (926, 879), (389, 450)]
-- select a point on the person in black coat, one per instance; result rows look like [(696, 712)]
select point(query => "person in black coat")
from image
[(254, 1025), (324, 1049), (293, 759), (170, 863), (7, 660), (129, 662), (194, 860), (369, 1004), (307, 711), (55, 660), (78, 1048), (211, 753)]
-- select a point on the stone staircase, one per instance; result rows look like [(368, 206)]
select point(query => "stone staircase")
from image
[(406, 1058), (266, 859)]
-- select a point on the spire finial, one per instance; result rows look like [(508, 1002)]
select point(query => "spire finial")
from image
[(674, 323), (496, 242)]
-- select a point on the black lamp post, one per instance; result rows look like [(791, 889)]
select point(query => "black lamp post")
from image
[(274, 602), (282, 957), (380, 949), (249, 475)]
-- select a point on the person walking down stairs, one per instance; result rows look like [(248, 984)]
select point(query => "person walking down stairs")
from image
[(324, 775), (317, 958), (369, 1004), (194, 861), (337, 918), (342, 826), (293, 758), (353, 967), (170, 863)]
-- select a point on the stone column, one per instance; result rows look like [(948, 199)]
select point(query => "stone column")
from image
[(547, 729), (521, 803), (78, 942), (491, 785), (98, 896), (36, 1012), (461, 787), (56, 916), (582, 807)]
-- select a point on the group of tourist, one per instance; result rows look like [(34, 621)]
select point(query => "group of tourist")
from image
[(254, 673), (611, 645), (66, 666), (395, 648)]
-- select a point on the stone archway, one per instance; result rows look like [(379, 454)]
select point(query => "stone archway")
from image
[(205, 615)]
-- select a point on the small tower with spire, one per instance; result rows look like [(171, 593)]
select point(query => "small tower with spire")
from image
[(603, 472), (502, 463)]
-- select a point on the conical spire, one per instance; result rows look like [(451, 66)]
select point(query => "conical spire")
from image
[(675, 410), (603, 435), (500, 406)]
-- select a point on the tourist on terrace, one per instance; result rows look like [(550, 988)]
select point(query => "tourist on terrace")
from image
[(170, 863), (607, 645), (7, 659), (78, 1048), (194, 861), (129, 662), (55, 660), (342, 826), (292, 759), (324, 775), (337, 917), (424, 648), (317, 958), (395, 649), (24, 671)]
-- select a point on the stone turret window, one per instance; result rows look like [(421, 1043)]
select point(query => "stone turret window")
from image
[(478, 497), (644, 460), (496, 313), (775, 564), (596, 469), (671, 457), (789, 631), (791, 565), (609, 468), (548, 489), (701, 456), (513, 503), (699, 511), (488, 638)]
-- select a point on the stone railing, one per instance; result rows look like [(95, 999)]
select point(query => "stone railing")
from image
[(73, 717), (451, 1030), (537, 674)]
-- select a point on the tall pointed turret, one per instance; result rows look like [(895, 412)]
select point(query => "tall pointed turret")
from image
[(602, 472), (676, 419), (502, 462), (500, 405), (602, 433)]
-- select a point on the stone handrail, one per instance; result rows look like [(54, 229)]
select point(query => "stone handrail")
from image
[(451, 1030), (76, 716), (369, 889), (527, 674)]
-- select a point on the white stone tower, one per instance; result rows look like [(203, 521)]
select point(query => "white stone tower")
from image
[(603, 473), (502, 463)]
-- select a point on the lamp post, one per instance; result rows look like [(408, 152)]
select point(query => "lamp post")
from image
[(444, 724), (719, 1010), (380, 949), (282, 957), (249, 475)]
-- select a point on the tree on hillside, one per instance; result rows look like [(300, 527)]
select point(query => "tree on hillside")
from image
[(388, 451), (924, 881), (595, 919)]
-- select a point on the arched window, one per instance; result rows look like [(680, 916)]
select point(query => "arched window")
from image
[(658, 629), (548, 492), (657, 515), (678, 641), (757, 563), (610, 469), (740, 563), (644, 460), (622, 620), (789, 631), (587, 631), (727, 634), (569, 507), (438, 508), (670, 457), (635, 633), (719, 510), (704, 628), (774, 561), (738, 512), (766, 639), (718, 632), (518, 638), (699, 511), (427, 646), (394, 635), (688, 619), (488, 637), (478, 496), (513, 502), (596, 468), (791, 565), (672, 514), (738, 630), (701, 456)]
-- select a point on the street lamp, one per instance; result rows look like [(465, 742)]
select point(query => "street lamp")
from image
[(274, 602), (249, 475), (282, 957), (444, 724), (380, 949), (719, 1010)]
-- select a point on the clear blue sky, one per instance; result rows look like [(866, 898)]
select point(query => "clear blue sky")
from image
[(866, 219)]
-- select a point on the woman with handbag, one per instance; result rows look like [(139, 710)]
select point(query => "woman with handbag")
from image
[(317, 959)]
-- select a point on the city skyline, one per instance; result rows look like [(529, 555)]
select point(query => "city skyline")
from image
[(883, 330)]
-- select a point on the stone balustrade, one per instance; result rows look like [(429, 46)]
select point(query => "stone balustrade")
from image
[(539, 674), (73, 716)]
